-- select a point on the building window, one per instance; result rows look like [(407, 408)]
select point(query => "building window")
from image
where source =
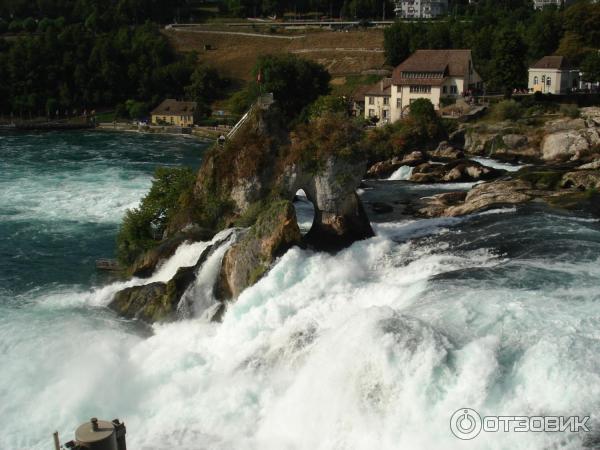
[(385, 114), (420, 89), (543, 79), (535, 80), (371, 100), (386, 100), (445, 89), (548, 81), (371, 113), (453, 90), (398, 103)]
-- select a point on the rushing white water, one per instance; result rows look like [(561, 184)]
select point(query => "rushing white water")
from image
[(495, 164), (305, 212), (403, 173), (89, 195), (360, 350)]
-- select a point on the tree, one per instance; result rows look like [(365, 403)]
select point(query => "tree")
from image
[(142, 227), (136, 110), (508, 62), (29, 24), (545, 33), (294, 82), (572, 47), (583, 19), (205, 85), (591, 67), (327, 104), (396, 43)]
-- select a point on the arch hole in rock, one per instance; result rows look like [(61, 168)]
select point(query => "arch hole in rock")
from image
[(305, 212)]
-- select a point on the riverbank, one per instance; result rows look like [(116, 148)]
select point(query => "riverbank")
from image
[(207, 134)]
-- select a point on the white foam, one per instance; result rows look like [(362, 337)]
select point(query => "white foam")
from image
[(495, 164), (360, 350), (403, 173), (93, 194)]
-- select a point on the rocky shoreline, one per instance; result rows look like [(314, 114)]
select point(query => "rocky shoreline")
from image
[(562, 157)]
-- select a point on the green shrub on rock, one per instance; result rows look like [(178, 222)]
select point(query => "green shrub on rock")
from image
[(143, 227), (569, 110), (507, 110)]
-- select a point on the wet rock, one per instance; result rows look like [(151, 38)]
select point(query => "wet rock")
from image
[(581, 180), (413, 159), (595, 164), (340, 218), (146, 263), (436, 205), (463, 170), (564, 124), (384, 169), (274, 232), (569, 145), (591, 115), (158, 302), (446, 152), (492, 195), (514, 141)]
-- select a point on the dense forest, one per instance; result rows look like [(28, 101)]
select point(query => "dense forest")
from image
[(71, 56), (505, 37)]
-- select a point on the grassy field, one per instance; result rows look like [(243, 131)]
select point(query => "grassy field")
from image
[(234, 55)]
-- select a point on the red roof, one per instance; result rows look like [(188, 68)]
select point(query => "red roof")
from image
[(552, 62), (430, 67)]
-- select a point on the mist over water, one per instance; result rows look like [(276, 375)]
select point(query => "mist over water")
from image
[(373, 348)]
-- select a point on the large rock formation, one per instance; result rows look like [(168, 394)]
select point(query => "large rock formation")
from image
[(274, 232), (339, 215), (159, 301), (251, 181), (572, 145), (582, 180)]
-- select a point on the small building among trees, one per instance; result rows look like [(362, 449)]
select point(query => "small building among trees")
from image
[(553, 75), (174, 112)]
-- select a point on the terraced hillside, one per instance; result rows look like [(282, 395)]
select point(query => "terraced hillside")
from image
[(234, 51)]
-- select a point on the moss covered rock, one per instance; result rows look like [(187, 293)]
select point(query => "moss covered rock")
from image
[(274, 232)]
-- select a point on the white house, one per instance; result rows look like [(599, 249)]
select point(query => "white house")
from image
[(552, 75), (432, 74), (421, 9), (540, 4), (377, 101)]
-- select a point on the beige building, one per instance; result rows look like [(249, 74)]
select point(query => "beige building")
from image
[(174, 112), (432, 74), (377, 101), (552, 75)]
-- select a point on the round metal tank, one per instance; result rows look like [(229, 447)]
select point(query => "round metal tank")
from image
[(97, 435)]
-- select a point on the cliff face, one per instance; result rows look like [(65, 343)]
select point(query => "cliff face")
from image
[(251, 180)]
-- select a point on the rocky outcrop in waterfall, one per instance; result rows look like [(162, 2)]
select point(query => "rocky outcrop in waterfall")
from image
[(274, 232), (159, 301), (250, 182)]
